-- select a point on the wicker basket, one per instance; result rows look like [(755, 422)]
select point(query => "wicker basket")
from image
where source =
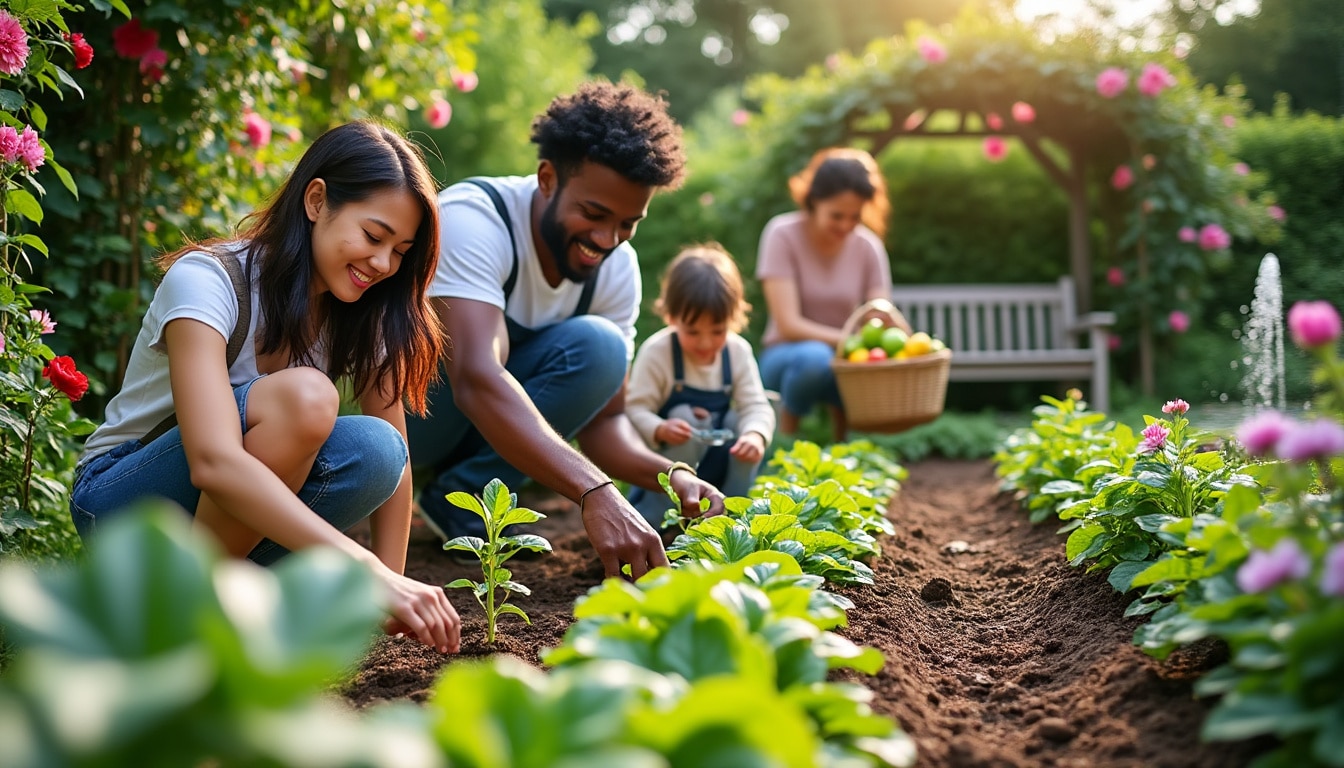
[(890, 395)]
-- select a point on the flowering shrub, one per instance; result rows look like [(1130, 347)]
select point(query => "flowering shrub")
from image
[(38, 431)]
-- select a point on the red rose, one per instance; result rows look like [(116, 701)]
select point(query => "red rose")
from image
[(131, 41), (61, 371), (81, 48)]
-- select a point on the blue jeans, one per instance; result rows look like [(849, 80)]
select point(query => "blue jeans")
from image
[(800, 371), (356, 470), (569, 370)]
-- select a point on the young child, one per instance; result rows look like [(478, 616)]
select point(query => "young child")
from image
[(228, 406), (697, 376)]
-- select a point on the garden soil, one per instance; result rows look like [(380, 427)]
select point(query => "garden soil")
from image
[(998, 652)]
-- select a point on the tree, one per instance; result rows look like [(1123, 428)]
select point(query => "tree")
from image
[(1294, 47), (691, 48)]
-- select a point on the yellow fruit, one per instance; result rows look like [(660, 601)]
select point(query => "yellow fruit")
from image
[(859, 355), (919, 344)]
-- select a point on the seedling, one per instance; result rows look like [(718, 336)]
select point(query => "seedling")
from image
[(499, 510), (673, 514)]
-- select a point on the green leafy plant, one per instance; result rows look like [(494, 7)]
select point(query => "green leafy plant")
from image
[(499, 509), (673, 515), (726, 539), (194, 660)]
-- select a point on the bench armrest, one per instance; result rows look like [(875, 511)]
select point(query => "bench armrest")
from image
[(1093, 320)]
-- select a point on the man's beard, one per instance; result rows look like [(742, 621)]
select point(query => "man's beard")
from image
[(557, 240)]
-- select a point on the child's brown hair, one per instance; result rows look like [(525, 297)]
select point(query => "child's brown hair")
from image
[(703, 280)]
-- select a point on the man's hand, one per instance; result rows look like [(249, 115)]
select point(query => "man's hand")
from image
[(691, 489), (673, 432), (621, 535), (749, 447)]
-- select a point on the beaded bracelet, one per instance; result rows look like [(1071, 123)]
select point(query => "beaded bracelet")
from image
[(679, 465)]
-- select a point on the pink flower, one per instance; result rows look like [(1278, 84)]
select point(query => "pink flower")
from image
[(439, 113), (1154, 79), (1313, 324), (43, 318), (1264, 570), (1111, 82), (995, 148), (1229, 121), (1261, 433), (152, 64), (1023, 112), (1122, 178), (1214, 238), (1179, 321), (993, 121), (9, 143), (258, 129), (418, 32), (1115, 276), (1332, 579), (741, 117), (1187, 235), (294, 134), (465, 82), (1241, 169), (1149, 162), (1177, 406), (1315, 439), (931, 50), (132, 41), (81, 49), (1276, 213), (1154, 437), (13, 45), (1113, 342)]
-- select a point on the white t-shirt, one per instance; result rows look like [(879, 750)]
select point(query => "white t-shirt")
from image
[(475, 258), (196, 286)]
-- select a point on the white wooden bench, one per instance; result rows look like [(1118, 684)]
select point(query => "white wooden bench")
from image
[(1014, 332)]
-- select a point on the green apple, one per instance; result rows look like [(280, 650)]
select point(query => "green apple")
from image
[(872, 333), (893, 340)]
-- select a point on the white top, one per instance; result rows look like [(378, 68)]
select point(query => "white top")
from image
[(652, 379), (196, 286), (475, 258)]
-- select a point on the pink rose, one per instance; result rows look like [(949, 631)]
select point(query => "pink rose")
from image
[(741, 117), (1214, 238), (1115, 276), (1241, 169), (1318, 439), (931, 50), (1187, 235), (1229, 121), (993, 121), (1111, 82), (1263, 570), (1261, 433), (1154, 437), (1179, 321), (1122, 178), (1154, 79), (1023, 112), (1177, 406), (1313, 324), (995, 148), (439, 113), (465, 82), (258, 129), (1276, 213)]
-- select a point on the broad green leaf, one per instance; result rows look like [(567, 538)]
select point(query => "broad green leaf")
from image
[(1122, 575), (510, 608), (513, 586), (468, 502), (473, 544), (22, 202), (1169, 568), (1081, 540), (1244, 716), (518, 515), (528, 541), (460, 584)]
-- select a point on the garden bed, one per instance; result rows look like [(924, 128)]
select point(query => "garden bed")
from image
[(998, 653)]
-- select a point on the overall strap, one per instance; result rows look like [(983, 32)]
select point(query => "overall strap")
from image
[(243, 290), (498, 202), (727, 371), (586, 297), (678, 365)]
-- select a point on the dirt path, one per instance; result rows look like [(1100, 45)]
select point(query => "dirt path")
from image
[(998, 653)]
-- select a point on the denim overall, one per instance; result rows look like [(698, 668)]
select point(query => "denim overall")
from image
[(713, 467)]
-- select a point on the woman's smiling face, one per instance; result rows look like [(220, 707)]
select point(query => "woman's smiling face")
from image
[(360, 243)]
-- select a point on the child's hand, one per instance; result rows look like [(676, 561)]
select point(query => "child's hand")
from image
[(673, 432), (749, 447)]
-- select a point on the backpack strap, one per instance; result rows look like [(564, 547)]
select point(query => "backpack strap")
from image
[(243, 290), (498, 202)]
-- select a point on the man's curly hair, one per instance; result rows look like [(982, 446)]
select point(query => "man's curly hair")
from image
[(619, 126)]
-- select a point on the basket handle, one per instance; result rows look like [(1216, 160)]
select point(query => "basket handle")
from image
[(882, 306)]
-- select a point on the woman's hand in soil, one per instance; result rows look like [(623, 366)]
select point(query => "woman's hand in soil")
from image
[(673, 432), (421, 611), (749, 448), (691, 489), (620, 535)]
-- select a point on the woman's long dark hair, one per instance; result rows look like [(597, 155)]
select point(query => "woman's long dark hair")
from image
[(391, 333)]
